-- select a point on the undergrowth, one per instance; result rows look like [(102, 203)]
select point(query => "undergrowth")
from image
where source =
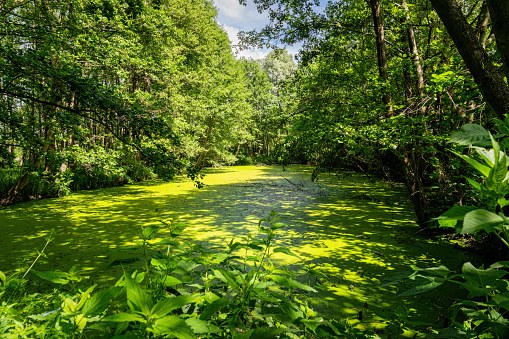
[(183, 291)]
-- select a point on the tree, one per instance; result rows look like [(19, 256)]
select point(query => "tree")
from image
[(488, 76), (116, 76), (392, 123)]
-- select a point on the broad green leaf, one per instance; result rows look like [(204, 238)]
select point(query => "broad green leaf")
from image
[(84, 297), (277, 225), (125, 317), (480, 219), (440, 271), (476, 291), (80, 322), (172, 243), (285, 251), (498, 172), (178, 229), (197, 325), (137, 299), (218, 258), (55, 277), (290, 283), (480, 277), (169, 281), (291, 312), (312, 324), (165, 306), (148, 232), (419, 284), (210, 297), (213, 308), (469, 134), (474, 184), (451, 217), (99, 301), (502, 300), (485, 170), (396, 278), (500, 264), (226, 277), (188, 265)]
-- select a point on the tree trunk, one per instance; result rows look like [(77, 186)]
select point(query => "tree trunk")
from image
[(414, 51), (381, 51), (488, 77), (499, 12), (482, 23)]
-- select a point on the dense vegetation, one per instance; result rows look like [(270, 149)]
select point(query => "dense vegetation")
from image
[(100, 93)]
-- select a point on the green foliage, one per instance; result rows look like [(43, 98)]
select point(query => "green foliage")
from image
[(185, 291), (483, 313)]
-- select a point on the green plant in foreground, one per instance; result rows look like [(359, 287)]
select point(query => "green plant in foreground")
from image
[(485, 313), (183, 291)]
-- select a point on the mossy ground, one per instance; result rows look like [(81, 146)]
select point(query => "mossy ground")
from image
[(354, 230)]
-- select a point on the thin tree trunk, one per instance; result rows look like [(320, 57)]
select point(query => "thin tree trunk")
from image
[(486, 75), (381, 51)]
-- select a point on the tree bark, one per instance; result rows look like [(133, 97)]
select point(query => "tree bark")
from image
[(482, 23), (499, 12), (381, 51), (415, 52), (488, 77)]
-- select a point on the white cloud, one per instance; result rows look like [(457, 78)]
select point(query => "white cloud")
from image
[(234, 18), (254, 53), (243, 17)]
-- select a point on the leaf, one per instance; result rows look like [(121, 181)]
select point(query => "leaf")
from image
[(451, 217), (485, 170), (480, 219), (197, 325), (188, 265), (480, 277), (212, 308), (396, 278), (148, 232), (277, 225), (80, 322), (469, 134), (440, 271), (165, 306), (290, 283), (290, 311), (125, 317), (179, 228), (137, 299), (500, 264), (169, 281), (98, 303), (476, 291), (55, 277), (474, 184), (285, 251), (502, 300), (419, 284), (173, 243), (226, 277)]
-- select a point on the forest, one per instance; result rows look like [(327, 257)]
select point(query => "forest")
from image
[(110, 94)]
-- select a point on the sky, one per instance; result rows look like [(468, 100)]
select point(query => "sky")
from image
[(234, 18)]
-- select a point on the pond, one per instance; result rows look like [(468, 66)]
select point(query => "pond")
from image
[(350, 227)]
